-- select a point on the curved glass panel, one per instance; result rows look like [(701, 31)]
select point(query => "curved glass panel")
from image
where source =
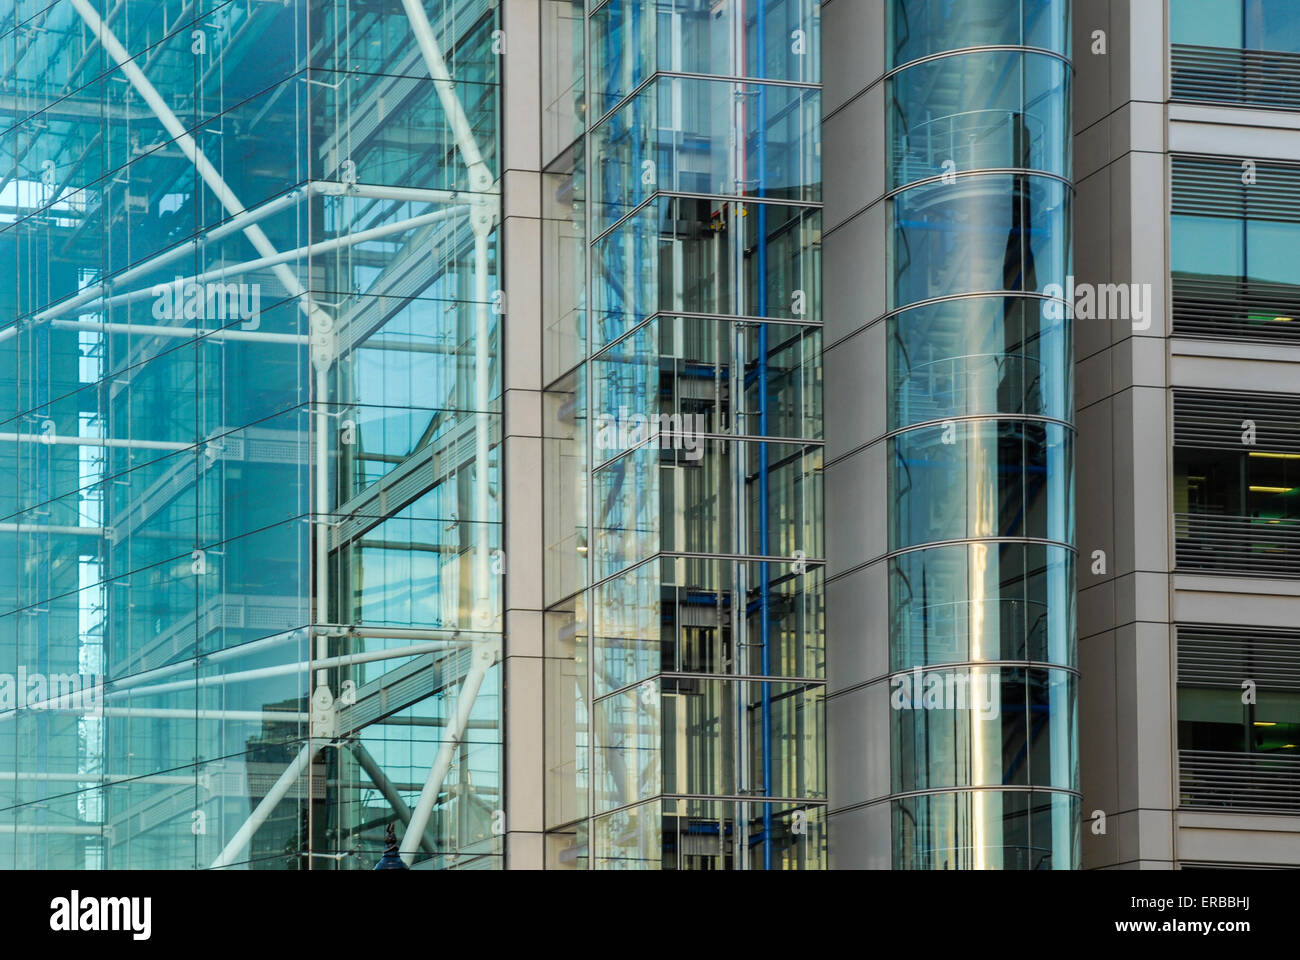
[(982, 233), (981, 355), (982, 601), (986, 830), (994, 110), (983, 726), (979, 479), (919, 28)]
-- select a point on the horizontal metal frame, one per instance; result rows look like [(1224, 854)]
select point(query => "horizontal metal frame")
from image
[(983, 48), (713, 197), (969, 540), (636, 91), (1236, 75), (946, 179), (1222, 780), (983, 788), (976, 418)]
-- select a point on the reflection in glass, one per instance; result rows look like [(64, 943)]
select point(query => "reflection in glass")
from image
[(249, 427), (981, 111), (1014, 477), (980, 234), (921, 28), (985, 355), (995, 601), (987, 830)]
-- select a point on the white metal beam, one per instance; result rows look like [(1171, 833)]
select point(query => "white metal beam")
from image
[(185, 333), (216, 183), (274, 260), (386, 787), (480, 178), (239, 842), (59, 439), (455, 731), (283, 669)]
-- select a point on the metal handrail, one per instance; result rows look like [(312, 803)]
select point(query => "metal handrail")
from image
[(909, 151)]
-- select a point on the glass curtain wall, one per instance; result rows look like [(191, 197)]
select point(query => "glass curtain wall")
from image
[(980, 449), (684, 444), (1235, 51), (249, 420)]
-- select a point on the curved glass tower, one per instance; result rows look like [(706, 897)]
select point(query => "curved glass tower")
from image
[(979, 436)]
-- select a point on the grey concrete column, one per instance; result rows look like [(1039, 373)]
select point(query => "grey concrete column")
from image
[(854, 296), (521, 387)]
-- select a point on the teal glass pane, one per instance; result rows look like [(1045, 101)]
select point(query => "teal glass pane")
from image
[(982, 601), (1207, 246), (983, 726), (920, 28), (1206, 23), (973, 356), (250, 432)]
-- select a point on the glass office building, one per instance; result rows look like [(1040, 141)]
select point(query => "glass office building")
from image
[(313, 311), (249, 415)]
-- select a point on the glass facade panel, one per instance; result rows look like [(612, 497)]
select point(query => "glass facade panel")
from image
[(987, 830), (982, 111), (675, 135), (982, 233), (1236, 24), (631, 40), (702, 406), (760, 260), (250, 422), (922, 28)]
